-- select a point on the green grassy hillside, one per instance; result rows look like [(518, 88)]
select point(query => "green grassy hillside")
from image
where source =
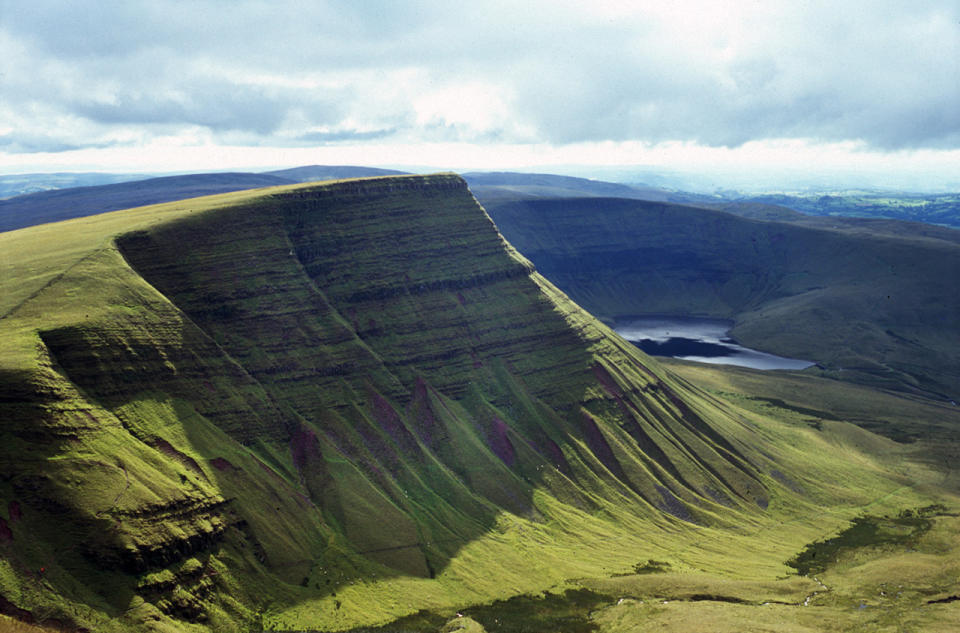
[(331, 406), (867, 305)]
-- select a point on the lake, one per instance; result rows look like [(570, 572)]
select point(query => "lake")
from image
[(701, 340)]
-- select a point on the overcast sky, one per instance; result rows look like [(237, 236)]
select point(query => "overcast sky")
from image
[(165, 86)]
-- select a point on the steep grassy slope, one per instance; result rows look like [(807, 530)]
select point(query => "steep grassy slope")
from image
[(323, 406), (868, 306)]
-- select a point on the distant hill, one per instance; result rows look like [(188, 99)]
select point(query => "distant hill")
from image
[(501, 185), (312, 173), (942, 209), (857, 225), (63, 204), (20, 184)]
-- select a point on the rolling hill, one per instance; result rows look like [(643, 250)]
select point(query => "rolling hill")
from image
[(333, 405)]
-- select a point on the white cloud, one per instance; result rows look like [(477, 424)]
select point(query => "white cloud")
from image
[(881, 76)]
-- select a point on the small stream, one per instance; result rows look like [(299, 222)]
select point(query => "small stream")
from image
[(813, 595), (697, 339)]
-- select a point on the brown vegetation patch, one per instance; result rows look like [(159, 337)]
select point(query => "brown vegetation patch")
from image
[(221, 464), (168, 449)]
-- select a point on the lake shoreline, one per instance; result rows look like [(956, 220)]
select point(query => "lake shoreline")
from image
[(698, 339)]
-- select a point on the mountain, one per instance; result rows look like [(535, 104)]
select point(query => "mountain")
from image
[(333, 405), (873, 304)]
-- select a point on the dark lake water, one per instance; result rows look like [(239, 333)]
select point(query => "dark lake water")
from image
[(701, 340)]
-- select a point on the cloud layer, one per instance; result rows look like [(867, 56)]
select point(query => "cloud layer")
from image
[(884, 74)]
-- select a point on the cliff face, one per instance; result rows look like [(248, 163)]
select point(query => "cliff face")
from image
[(318, 383)]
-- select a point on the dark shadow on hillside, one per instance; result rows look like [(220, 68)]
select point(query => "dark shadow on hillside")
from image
[(52, 536)]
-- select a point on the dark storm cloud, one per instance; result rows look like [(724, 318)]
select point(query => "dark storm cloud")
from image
[(880, 72)]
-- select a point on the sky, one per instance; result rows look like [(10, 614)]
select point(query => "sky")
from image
[(863, 89)]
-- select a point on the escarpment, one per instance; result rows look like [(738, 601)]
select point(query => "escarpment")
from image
[(339, 299), (321, 382)]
